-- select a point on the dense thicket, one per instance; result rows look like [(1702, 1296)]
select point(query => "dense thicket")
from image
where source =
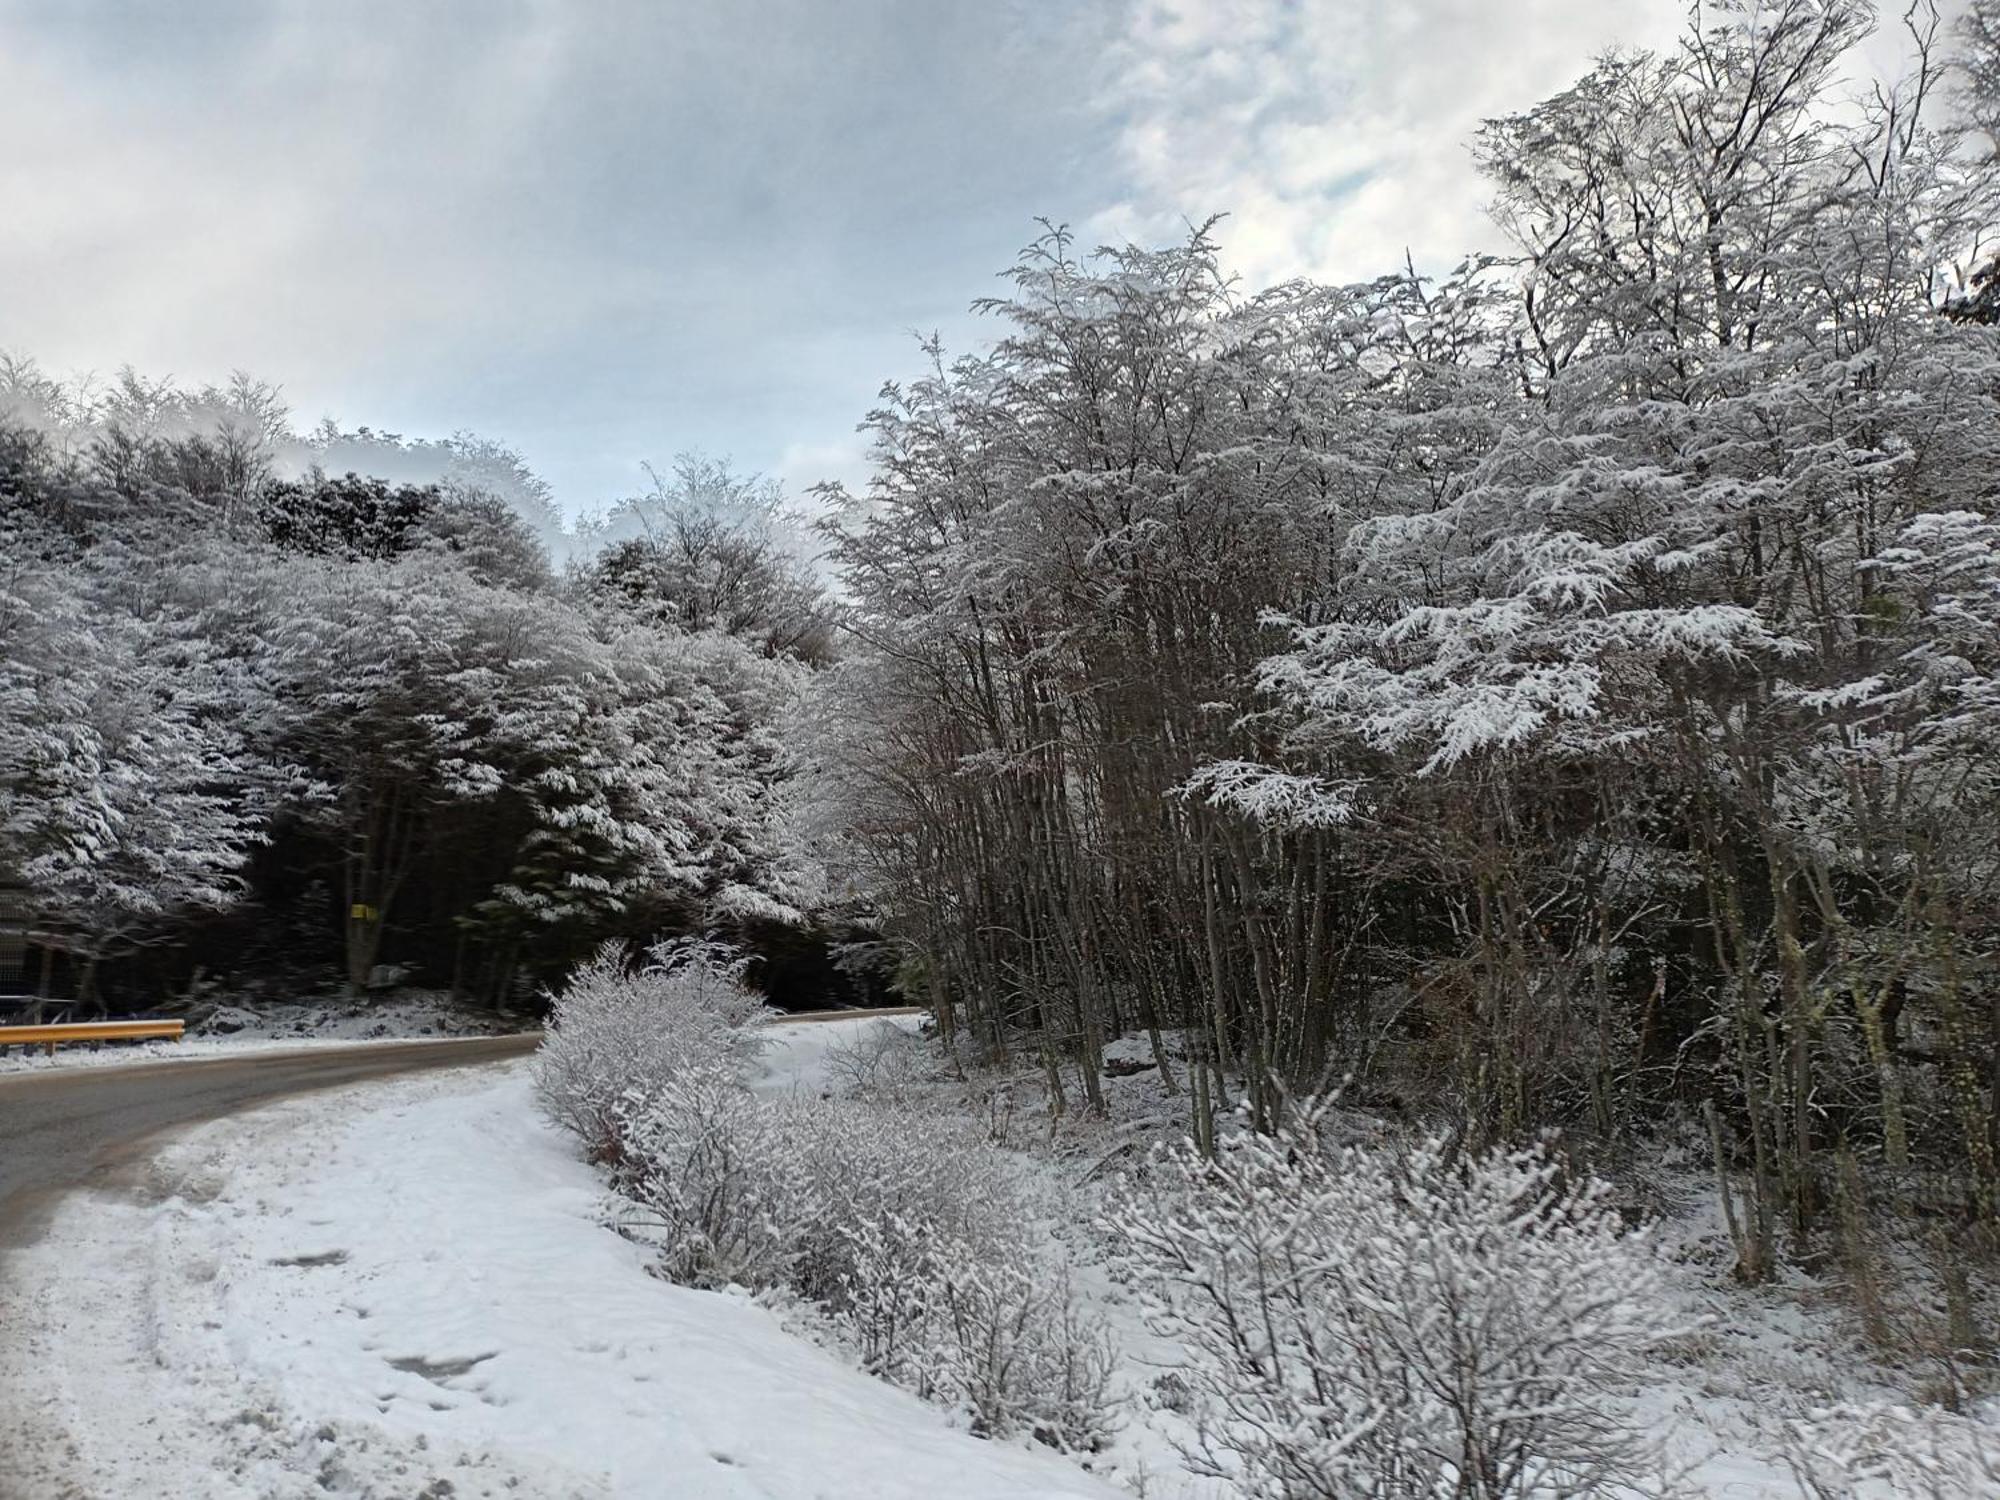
[(1547, 691), (283, 726)]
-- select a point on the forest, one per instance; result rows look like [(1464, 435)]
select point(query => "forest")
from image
[(280, 728), (1555, 692)]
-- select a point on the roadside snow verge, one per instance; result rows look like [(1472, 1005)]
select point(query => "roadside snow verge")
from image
[(295, 1026), (407, 1290)]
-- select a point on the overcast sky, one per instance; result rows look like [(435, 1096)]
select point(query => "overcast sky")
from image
[(610, 230)]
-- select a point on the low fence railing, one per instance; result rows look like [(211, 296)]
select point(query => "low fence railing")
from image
[(52, 1037)]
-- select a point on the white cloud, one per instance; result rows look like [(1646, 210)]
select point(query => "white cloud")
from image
[(619, 230), (837, 460), (601, 232), (1334, 132)]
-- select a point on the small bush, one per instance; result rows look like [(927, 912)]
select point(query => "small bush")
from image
[(1021, 1353), (617, 1031), (717, 1170), (880, 1061), (907, 1231), (1364, 1323), (1000, 1335)]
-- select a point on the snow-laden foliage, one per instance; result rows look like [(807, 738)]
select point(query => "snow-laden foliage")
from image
[(618, 1030), (460, 763), (1879, 1452), (1395, 1325), (1560, 690), (909, 1233), (131, 793)]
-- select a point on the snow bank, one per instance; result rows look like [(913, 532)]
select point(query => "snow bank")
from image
[(411, 1014), (281, 1026), (407, 1290)]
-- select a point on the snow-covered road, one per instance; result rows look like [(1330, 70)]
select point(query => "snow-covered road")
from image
[(404, 1290), (65, 1125)]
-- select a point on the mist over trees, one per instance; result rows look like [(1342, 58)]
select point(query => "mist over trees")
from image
[(1552, 693)]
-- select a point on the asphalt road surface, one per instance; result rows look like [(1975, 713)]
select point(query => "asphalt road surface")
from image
[(62, 1130)]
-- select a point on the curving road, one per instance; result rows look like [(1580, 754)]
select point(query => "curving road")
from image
[(61, 1130)]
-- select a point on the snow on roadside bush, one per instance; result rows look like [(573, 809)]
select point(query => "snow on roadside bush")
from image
[(881, 1061), (1397, 1326), (1880, 1452), (909, 1234), (616, 1031), (712, 1165)]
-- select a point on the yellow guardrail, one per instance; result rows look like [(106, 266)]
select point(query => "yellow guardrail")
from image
[(52, 1037)]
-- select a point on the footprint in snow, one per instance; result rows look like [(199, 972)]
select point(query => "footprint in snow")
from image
[(439, 1371), (307, 1262)]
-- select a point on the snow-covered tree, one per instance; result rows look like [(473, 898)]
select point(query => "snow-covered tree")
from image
[(128, 795)]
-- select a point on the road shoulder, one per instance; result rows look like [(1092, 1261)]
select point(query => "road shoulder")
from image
[(391, 1289)]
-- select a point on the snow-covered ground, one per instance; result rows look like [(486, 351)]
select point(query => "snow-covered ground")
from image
[(287, 1025), (406, 1290), (1719, 1398)]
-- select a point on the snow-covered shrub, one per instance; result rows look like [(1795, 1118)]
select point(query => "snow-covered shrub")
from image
[(719, 1174), (999, 1335), (616, 1031), (1883, 1452), (767, 1192), (924, 1252), (1394, 1325), (907, 1230), (875, 1163), (881, 1060), (1070, 1373), (1017, 1351), (908, 1233), (885, 1299)]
